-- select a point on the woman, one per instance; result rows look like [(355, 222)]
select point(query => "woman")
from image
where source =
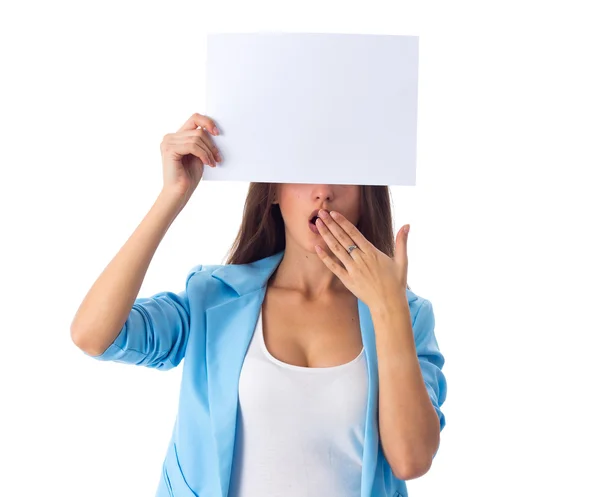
[(310, 367)]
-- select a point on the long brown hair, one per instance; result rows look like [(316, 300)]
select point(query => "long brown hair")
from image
[(262, 232)]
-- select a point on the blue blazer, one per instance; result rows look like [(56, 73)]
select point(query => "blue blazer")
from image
[(211, 323)]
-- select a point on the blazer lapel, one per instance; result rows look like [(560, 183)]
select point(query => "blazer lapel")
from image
[(229, 329), (371, 444)]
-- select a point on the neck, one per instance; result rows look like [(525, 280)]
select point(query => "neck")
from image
[(305, 272)]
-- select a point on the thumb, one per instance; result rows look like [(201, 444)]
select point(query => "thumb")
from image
[(401, 241)]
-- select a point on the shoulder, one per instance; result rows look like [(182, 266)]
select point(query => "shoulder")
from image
[(419, 305), (222, 280), (415, 300), (201, 275), (240, 279), (203, 270)]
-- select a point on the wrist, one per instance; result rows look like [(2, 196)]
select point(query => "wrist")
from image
[(172, 197), (172, 201), (389, 307)]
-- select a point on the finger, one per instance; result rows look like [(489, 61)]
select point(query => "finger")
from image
[(201, 153), (197, 121), (358, 238), (183, 140), (192, 148), (333, 243), (206, 138), (335, 268), (337, 230), (401, 246)]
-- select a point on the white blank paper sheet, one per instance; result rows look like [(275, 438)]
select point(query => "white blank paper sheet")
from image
[(313, 108)]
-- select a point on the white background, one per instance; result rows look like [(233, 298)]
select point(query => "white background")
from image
[(503, 241)]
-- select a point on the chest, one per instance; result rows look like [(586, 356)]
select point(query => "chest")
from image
[(320, 333)]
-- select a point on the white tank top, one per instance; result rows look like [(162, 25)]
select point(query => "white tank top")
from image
[(300, 431)]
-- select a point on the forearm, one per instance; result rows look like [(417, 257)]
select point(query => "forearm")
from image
[(109, 301), (408, 423)]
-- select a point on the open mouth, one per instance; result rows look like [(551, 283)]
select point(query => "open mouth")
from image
[(313, 220)]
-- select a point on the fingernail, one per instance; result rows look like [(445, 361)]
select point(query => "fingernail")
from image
[(216, 131)]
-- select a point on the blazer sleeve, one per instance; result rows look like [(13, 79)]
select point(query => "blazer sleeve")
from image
[(156, 332), (430, 358)]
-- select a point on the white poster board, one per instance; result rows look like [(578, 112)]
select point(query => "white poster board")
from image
[(313, 108)]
